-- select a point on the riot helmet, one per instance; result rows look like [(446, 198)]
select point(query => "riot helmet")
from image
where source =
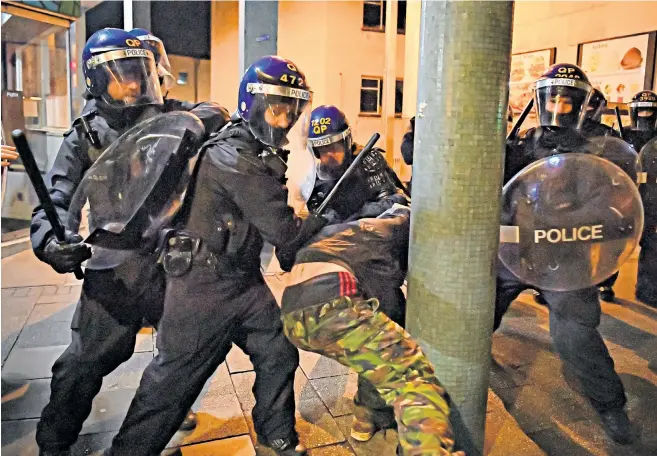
[(161, 58), (562, 96), (597, 105), (273, 98), (120, 70), (329, 139), (643, 111)]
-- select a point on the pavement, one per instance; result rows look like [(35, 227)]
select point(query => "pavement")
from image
[(533, 409)]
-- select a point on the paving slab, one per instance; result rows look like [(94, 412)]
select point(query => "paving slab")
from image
[(337, 393), (218, 411), (18, 438), (108, 411), (128, 375), (32, 363), (238, 361), (44, 333), (24, 399), (318, 366), (234, 446), (14, 313), (58, 311)]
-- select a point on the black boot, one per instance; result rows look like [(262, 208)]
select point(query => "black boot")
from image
[(189, 422), (617, 426), (286, 447), (607, 294), (539, 299)]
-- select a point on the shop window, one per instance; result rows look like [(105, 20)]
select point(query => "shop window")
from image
[(399, 97), (374, 15), (34, 64), (371, 95)]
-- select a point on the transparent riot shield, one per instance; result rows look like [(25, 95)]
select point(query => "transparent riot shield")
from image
[(569, 221), (616, 151), (138, 184)]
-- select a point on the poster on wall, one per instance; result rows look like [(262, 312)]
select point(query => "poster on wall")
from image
[(619, 67), (526, 68)]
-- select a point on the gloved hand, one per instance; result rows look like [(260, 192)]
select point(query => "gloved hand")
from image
[(65, 256), (310, 227)]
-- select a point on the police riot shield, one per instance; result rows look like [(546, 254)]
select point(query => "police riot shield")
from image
[(616, 151), (138, 184), (569, 221)]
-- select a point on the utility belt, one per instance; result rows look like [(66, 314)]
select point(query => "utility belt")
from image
[(180, 250)]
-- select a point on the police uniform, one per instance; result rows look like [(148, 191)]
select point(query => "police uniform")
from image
[(574, 315), (114, 301), (367, 192), (646, 286), (643, 116), (216, 295), (331, 307)]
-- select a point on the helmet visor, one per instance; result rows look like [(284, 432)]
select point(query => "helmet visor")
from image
[(643, 115), (131, 76), (277, 110), (163, 65), (333, 153), (562, 103)]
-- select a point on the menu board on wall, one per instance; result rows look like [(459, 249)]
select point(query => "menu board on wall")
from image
[(526, 68), (619, 67)]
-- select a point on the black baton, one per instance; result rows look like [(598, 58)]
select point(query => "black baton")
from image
[(359, 158), (34, 174), (620, 123), (516, 128)]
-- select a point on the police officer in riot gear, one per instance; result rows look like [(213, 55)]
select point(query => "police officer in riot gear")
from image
[(562, 95), (370, 190), (216, 294), (119, 292), (643, 118), (643, 136), (646, 284), (593, 125)]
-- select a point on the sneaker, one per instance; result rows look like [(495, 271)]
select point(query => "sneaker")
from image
[(367, 422)]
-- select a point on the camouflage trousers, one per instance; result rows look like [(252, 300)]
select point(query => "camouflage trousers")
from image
[(355, 334)]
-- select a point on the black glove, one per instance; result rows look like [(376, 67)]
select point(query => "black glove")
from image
[(310, 227), (65, 256)]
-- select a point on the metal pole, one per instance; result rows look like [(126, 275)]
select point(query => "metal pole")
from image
[(459, 141)]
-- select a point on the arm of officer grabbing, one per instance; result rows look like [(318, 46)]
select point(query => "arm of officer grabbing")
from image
[(261, 197)]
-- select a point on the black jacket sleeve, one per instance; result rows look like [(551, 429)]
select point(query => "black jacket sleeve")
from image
[(407, 147), (261, 198), (62, 180), (213, 115)]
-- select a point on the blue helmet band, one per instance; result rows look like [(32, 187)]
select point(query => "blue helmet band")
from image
[(326, 140), (118, 54), (283, 91)]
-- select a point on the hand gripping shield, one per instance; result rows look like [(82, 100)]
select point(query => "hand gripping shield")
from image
[(138, 184), (569, 221)]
